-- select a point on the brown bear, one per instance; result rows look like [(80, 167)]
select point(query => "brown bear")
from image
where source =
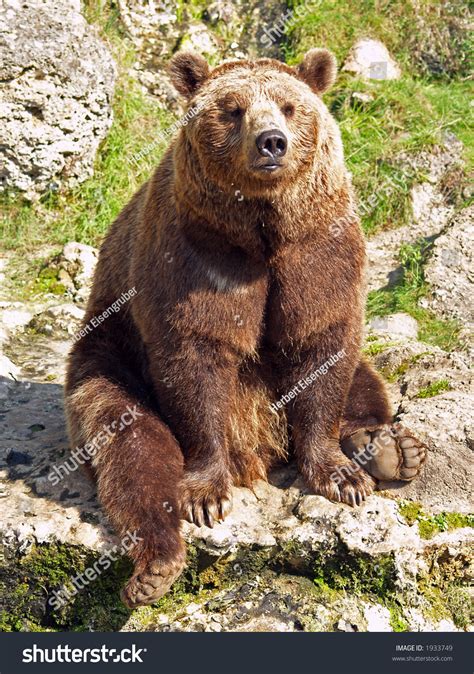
[(241, 346)]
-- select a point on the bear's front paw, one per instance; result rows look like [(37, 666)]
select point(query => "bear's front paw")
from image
[(206, 497), (344, 482)]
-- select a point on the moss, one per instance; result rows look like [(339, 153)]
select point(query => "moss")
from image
[(410, 511), (397, 621), (48, 282), (434, 389), (30, 580), (427, 528), (458, 601), (359, 573), (430, 525)]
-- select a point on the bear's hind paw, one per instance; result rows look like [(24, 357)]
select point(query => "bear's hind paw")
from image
[(150, 585)]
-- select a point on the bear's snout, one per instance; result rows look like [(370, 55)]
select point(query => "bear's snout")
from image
[(272, 143)]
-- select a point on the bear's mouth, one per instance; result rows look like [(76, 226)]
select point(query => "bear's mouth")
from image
[(269, 167)]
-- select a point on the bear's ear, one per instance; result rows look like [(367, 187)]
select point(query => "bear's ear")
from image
[(188, 71), (318, 69)]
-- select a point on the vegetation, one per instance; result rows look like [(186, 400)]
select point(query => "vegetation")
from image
[(404, 115), (430, 525), (434, 389), (404, 295)]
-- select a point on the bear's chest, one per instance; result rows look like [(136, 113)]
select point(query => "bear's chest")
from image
[(309, 290)]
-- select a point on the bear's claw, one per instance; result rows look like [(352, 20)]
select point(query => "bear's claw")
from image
[(345, 483), (201, 508)]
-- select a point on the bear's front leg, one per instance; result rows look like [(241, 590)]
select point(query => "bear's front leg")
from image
[(319, 381), (195, 384)]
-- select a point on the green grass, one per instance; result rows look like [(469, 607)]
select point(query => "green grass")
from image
[(409, 114), (405, 115), (374, 348), (434, 389), (405, 294)]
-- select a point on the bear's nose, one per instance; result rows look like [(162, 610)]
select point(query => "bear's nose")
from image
[(272, 143)]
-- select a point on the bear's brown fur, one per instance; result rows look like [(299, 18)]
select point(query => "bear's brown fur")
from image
[(248, 261)]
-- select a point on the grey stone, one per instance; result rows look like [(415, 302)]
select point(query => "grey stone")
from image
[(450, 270), (75, 267), (371, 59), (397, 325), (223, 31), (56, 84)]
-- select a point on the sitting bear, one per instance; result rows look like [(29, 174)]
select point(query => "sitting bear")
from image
[(240, 347)]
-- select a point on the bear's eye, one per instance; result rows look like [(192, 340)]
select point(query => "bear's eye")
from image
[(235, 113), (288, 109)]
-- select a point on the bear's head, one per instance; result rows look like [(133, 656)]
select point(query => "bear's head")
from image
[(260, 124)]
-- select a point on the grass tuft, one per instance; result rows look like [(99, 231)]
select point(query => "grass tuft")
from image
[(404, 296)]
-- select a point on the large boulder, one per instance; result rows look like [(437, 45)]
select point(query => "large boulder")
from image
[(56, 85)]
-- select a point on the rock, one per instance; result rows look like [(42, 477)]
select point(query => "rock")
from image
[(14, 315), (199, 38), (262, 560), (431, 212), (370, 59), (8, 370), (223, 30), (75, 267), (155, 32), (450, 270), (442, 418), (446, 423), (56, 84), (361, 98), (395, 325), (63, 317), (378, 618)]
